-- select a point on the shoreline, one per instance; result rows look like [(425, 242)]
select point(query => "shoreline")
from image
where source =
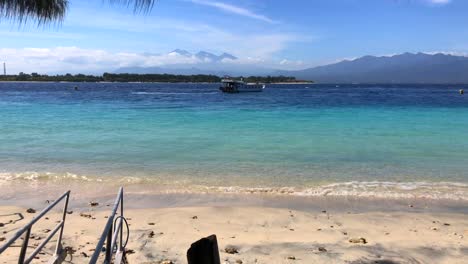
[(140, 196), (26, 187), (106, 82)]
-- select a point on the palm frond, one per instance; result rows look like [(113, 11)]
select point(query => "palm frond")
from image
[(138, 5), (42, 11), (47, 11)]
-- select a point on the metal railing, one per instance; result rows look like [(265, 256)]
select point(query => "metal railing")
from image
[(26, 230), (110, 236)]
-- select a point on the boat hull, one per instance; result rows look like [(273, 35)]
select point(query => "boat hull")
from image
[(243, 89)]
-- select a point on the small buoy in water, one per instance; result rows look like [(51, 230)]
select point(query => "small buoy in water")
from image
[(76, 88), (462, 91)]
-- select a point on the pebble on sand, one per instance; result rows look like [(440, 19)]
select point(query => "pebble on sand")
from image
[(92, 204), (129, 251), (231, 250), (85, 215), (30, 211), (292, 258), (322, 249), (359, 240)]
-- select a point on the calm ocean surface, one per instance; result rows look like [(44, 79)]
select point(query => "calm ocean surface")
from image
[(303, 139)]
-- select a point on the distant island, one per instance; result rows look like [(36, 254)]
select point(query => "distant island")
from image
[(144, 78)]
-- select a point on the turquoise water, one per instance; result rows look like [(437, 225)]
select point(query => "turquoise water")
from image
[(298, 136)]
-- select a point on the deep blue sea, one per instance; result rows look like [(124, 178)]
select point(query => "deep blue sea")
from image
[(300, 139)]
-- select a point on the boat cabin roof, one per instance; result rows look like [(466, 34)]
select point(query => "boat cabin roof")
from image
[(231, 81)]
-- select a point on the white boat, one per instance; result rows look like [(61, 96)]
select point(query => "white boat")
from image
[(234, 86)]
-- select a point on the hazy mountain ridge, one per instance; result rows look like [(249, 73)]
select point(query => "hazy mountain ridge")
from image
[(202, 62), (402, 68), (203, 56)]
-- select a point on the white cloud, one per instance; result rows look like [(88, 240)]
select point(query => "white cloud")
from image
[(438, 2), (79, 60), (292, 64), (195, 35), (234, 10)]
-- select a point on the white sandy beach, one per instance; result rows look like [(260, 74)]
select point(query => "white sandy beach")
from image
[(262, 235)]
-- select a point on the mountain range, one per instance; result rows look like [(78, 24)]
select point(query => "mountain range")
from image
[(401, 68), (202, 62), (204, 56)]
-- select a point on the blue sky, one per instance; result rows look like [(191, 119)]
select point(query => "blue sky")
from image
[(276, 34)]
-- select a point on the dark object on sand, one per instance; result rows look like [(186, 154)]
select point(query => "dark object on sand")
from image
[(31, 211), (359, 240), (85, 215), (204, 251), (231, 250)]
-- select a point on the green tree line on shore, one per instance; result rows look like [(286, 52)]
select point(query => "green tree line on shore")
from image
[(126, 77)]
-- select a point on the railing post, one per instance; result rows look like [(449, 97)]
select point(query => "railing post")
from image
[(109, 245), (58, 248), (121, 221), (24, 247)]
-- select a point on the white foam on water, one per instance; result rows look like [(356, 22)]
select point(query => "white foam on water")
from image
[(376, 189), (43, 176), (371, 189)]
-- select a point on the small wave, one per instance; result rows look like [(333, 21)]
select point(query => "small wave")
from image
[(43, 176), (371, 189)]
